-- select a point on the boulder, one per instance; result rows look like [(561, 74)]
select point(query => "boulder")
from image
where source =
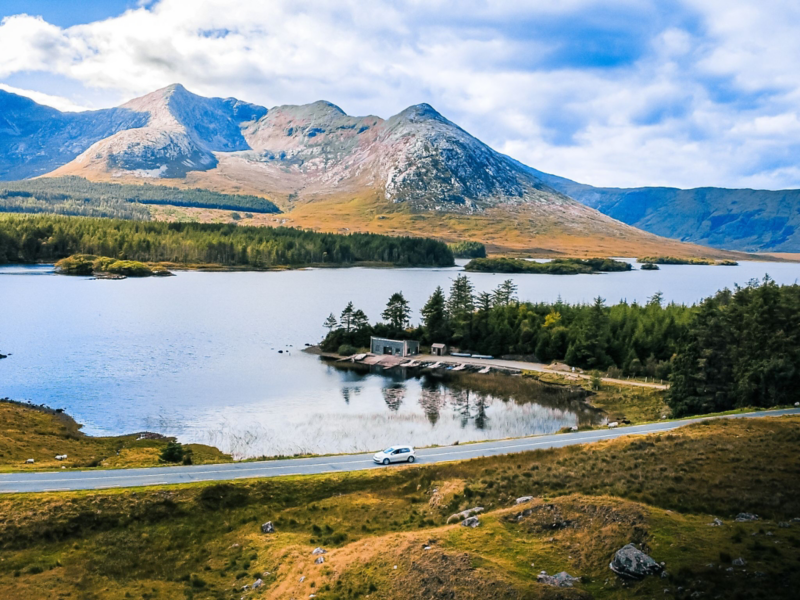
[(716, 522), (632, 563), (268, 527), (746, 517), (319, 550), (739, 562), (562, 579), (470, 522), (523, 499), (320, 560), (258, 583), (613, 424), (464, 514), (30, 461), (784, 525)]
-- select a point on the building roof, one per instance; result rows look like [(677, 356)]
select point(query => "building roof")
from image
[(438, 346)]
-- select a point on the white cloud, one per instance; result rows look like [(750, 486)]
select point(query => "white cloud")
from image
[(632, 92)]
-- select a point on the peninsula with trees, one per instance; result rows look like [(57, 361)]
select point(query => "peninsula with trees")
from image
[(721, 354)]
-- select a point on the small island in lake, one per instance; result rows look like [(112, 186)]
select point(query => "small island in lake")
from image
[(109, 268), (557, 266), (672, 260)]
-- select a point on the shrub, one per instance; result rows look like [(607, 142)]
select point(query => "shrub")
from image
[(347, 350), (173, 452)]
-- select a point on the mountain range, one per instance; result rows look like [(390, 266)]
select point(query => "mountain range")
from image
[(736, 219), (415, 173)]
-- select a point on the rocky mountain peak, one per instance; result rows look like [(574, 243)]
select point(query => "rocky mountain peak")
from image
[(420, 112)]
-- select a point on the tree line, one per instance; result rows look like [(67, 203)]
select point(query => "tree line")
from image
[(47, 238), (735, 349)]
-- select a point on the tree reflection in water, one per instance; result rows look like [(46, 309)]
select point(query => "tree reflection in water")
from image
[(349, 392), (394, 395), (432, 399)]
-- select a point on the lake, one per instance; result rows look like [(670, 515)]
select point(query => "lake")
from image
[(197, 355)]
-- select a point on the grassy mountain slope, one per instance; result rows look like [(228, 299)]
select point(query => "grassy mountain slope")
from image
[(746, 220)]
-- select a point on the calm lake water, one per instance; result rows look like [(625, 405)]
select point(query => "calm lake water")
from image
[(196, 355)]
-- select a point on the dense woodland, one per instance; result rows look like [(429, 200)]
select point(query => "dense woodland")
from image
[(80, 197), (47, 238), (735, 349), (468, 250)]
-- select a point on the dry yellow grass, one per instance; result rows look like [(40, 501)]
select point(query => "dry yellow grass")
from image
[(37, 433), (504, 230), (659, 491)]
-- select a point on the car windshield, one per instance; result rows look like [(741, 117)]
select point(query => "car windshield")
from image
[(388, 450)]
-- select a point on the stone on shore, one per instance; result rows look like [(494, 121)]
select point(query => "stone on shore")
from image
[(268, 527), (562, 579), (746, 517), (470, 522), (632, 563), (460, 516)]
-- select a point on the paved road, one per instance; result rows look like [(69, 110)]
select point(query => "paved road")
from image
[(51, 481), (529, 366)]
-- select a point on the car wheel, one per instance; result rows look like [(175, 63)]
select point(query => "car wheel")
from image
[(410, 459), (386, 461)]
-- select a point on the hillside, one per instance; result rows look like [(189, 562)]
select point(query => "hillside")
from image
[(745, 220), (76, 196), (415, 173), (386, 534)]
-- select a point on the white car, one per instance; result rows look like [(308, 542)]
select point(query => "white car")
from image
[(399, 453)]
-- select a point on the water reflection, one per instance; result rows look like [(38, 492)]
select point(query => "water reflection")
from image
[(393, 396)]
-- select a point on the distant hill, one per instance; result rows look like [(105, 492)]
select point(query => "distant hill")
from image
[(746, 220), (79, 197), (416, 173)]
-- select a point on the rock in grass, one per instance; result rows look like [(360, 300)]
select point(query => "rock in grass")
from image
[(632, 563), (320, 560), (319, 550), (739, 562), (523, 499), (464, 514), (562, 579), (716, 522), (268, 527), (746, 517), (470, 522)]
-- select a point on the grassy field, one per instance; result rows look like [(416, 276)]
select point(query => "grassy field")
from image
[(33, 432), (659, 491), (516, 231)]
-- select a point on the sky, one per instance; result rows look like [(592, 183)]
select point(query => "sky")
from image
[(624, 93)]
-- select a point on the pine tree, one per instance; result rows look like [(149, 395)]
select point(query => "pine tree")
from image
[(461, 301), (505, 294), (397, 311), (434, 316), (360, 320), (460, 306), (330, 323), (589, 347), (484, 302), (346, 318)]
